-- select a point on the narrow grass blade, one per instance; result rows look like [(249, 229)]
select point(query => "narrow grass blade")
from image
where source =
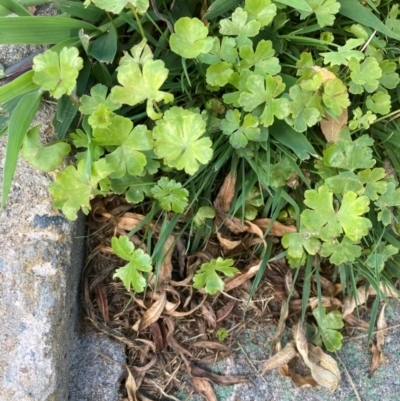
[(306, 287), (15, 8), (259, 274), (89, 13), (65, 113), (19, 123), (19, 86), (220, 7), (40, 30), (374, 314), (293, 140), (355, 11)]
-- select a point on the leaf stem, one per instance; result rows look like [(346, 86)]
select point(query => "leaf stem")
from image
[(380, 119), (137, 20)]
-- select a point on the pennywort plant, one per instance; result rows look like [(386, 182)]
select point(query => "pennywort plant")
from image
[(159, 103)]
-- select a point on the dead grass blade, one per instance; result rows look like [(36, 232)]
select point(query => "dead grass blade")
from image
[(222, 380), (130, 385), (281, 358), (182, 314), (381, 326), (165, 273), (102, 302), (145, 368), (378, 358), (281, 326), (209, 315), (214, 345), (171, 339), (153, 314), (288, 285)]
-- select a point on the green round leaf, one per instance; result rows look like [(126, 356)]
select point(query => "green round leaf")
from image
[(190, 38)]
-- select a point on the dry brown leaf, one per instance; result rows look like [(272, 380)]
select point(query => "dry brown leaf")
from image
[(157, 336), (298, 380), (325, 301), (301, 342), (277, 230), (129, 221), (325, 73), (244, 275), (201, 385), (130, 386), (331, 127), (222, 380), (281, 358), (153, 314), (302, 381), (324, 369), (328, 289), (235, 225), (227, 244), (350, 303), (355, 323), (376, 359), (225, 311), (102, 302), (254, 229), (225, 196), (214, 345), (389, 292)]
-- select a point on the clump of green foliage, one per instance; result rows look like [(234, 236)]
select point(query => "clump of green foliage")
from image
[(162, 111)]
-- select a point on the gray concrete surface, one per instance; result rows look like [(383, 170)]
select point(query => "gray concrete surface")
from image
[(44, 356), (254, 345)]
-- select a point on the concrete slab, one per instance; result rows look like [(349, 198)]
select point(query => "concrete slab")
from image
[(254, 344)]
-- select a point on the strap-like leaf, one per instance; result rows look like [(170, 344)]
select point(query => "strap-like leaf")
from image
[(19, 123)]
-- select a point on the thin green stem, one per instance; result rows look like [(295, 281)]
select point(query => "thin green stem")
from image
[(380, 119), (137, 20)]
